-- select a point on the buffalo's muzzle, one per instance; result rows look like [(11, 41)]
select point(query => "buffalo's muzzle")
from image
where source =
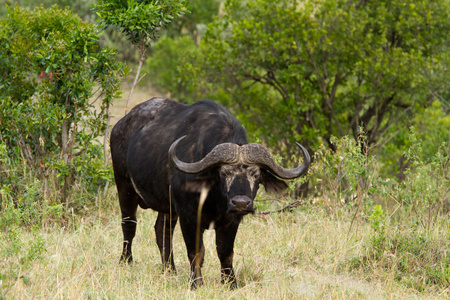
[(240, 205)]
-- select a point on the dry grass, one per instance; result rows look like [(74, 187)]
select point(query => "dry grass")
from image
[(294, 255)]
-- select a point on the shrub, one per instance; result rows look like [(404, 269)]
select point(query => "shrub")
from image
[(411, 242), (425, 189), (409, 254), (50, 62), (347, 176)]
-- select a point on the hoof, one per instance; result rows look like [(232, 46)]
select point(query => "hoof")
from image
[(231, 282), (196, 283), (169, 269), (126, 259)]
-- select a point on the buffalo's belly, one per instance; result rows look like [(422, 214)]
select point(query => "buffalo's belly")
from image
[(157, 200), (157, 205)]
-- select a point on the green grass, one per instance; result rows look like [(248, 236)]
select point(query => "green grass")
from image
[(304, 254)]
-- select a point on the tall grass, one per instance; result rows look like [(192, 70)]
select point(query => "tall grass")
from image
[(304, 254)]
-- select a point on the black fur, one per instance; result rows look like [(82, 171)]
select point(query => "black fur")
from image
[(143, 174)]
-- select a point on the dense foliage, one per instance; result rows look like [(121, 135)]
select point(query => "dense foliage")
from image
[(50, 64), (139, 20), (310, 70)]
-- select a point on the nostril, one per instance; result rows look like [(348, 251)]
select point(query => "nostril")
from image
[(240, 205), (237, 202), (241, 201)]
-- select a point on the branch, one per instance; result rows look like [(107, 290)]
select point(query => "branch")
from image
[(379, 114), (294, 204), (98, 97), (269, 79), (384, 129), (323, 87), (26, 151), (354, 121), (373, 110), (441, 99), (142, 51), (105, 140), (276, 84), (330, 103)]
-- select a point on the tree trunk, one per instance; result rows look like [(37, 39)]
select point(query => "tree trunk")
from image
[(68, 141), (142, 51)]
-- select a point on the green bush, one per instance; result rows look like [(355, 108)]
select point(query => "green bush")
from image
[(409, 254), (425, 189), (410, 239), (50, 64), (431, 125), (347, 176)]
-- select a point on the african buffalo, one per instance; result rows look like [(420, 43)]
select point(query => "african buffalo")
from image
[(165, 153)]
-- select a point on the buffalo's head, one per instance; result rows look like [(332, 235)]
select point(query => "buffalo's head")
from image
[(241, 169)]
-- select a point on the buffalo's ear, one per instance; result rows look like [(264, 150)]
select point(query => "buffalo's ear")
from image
[(271, 183), (196, 185)]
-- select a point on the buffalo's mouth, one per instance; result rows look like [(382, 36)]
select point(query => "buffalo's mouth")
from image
[(240, 205)]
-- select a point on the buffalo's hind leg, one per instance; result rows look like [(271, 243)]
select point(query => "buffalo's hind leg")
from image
[(128, 205), (164, 227)]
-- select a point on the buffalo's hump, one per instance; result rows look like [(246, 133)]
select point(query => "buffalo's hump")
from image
[(140, 142)]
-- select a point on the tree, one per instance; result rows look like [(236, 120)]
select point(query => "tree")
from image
[(308, 70), (50, 62), (140, 20)]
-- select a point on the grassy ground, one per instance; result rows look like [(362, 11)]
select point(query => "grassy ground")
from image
[(292, 255)]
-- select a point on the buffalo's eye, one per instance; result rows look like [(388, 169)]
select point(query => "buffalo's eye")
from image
[(255, 173), (224, 172)]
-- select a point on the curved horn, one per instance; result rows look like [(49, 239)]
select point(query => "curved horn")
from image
[(225, 153), (258, 154)]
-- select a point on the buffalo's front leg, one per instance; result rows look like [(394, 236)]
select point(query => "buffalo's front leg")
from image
[(225, 236), (195, 250), (164, 227)]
